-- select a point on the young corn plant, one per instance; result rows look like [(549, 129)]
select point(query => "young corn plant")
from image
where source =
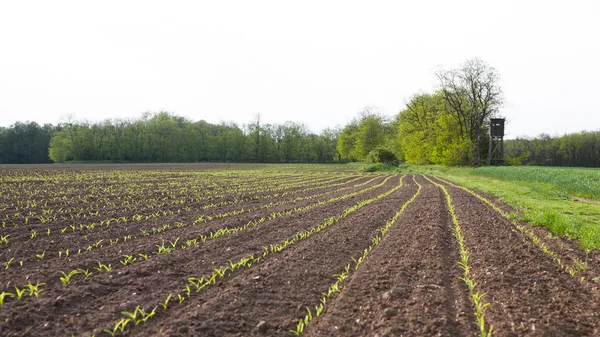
[(66, 278), (34, 290), (5, 295), (19, 293), (103, 267), (128, 259), (85, 272), (7, 263), (119, 327), (166, 302)]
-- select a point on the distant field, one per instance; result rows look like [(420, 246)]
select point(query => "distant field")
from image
[(581, 182)]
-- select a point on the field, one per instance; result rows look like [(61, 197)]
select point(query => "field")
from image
[(239, 250)]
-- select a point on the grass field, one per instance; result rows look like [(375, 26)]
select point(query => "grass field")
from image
[(563, 200), (581, 182)]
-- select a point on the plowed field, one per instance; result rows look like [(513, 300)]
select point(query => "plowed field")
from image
[(176, 251)]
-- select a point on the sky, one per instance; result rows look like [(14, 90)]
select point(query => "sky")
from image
[(313, 62)]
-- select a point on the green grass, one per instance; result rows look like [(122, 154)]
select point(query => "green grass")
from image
[(543, 195), (571, 181)]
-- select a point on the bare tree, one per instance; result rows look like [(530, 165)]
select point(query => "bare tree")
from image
[(472, 95)]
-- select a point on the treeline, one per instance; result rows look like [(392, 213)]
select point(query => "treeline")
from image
[(164, 137), (25, 143), (575, 149), (448, 126)]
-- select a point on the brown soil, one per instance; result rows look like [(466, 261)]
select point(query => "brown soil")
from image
[(409, 285)]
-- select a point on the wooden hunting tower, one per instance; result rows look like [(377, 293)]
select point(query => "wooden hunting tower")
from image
[(496, 149)]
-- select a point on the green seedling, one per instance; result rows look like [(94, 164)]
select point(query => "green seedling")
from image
[(34, 290), (85, 272), (7, 263), (102, 267), (67, 277), (4, 295), (299, 328), (119, 326), (19, 293), (128, 259), (166, 302)]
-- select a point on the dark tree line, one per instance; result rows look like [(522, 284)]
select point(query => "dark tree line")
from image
[(575, 149), (25, 143), (164, 137)]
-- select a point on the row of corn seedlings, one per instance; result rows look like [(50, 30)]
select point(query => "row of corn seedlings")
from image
[(351, 267), (169, 247), (162, 213), (53, 215), (572, 269), (475, 296), (196, 284), (206, 218)]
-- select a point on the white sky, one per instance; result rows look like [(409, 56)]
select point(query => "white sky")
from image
[(315, 62)]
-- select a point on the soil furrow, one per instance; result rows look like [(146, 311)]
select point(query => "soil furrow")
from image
[(409, 285), (278, 290), (529, 294), (100, 300), (113, 254)]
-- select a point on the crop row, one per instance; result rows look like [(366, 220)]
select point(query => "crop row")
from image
[(353, 265), (156, 211), (109, 207), (131, 186), (572, 269), (100, 243), (475, 296), (194, 240), (195, 284)]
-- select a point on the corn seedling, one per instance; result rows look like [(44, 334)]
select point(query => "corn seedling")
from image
[(7, 263), (102, 267), (67, 277), (166, 302), (128, 259), (19, 293), (85, 272), (4, 295), (119, 326), (34, 290)]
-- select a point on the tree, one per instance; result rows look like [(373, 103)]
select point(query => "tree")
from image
[(472, 95)]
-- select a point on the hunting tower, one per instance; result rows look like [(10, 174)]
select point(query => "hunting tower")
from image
[(496, 149)]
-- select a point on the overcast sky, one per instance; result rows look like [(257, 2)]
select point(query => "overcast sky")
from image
[(315, 62)]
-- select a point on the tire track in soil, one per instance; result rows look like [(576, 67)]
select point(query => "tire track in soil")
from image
[(409, 285), (86, 305), (277, 290), (530, 295)]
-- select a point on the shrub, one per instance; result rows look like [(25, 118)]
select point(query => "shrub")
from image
[(382, 155)]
